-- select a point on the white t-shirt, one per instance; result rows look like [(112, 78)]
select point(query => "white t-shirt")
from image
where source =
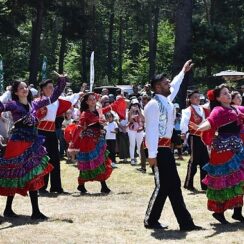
[(110, 127)]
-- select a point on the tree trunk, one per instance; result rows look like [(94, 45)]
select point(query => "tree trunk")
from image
[(84, 70), (62, 49), (153, 37), (35, 42), (110, 45), (120, 71), (151, 59), (183, 45)]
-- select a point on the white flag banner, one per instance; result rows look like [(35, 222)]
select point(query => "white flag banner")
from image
[(92, 71)]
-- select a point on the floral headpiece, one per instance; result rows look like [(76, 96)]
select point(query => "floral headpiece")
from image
[(210, 95)]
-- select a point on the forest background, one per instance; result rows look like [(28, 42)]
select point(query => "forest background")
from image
[(132, 39)]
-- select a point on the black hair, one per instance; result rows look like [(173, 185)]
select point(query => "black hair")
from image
[(156, 79), (234, 93), (108, 115), (14, 89), (214, 103), (44, 83), (132, 104), (192, 93), (83, 105), (188, 102)]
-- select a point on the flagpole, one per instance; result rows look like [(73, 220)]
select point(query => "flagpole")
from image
[(92, 71)]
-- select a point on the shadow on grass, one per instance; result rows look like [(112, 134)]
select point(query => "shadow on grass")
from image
[(168, 234), (8, 223), (99, 194), (220, 228), (54, 195), (195, 192)]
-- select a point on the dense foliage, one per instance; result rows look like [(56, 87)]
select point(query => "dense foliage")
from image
[(132, 39)]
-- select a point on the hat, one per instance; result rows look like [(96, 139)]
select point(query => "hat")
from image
[(134, 101)]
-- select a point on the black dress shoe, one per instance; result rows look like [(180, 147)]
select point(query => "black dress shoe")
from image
[(38, 216), (43, 192), (82, 189), (105, 190), (10, 214), (238, 217), (59, 191), (156, 226), (221, 218), (193, 189), (190, 227)]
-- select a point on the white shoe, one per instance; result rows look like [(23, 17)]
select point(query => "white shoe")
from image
[(133, 162), (114, 166)]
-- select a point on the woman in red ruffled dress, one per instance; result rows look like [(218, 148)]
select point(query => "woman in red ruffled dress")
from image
[(89, 142), (225, 171), (25, 161)]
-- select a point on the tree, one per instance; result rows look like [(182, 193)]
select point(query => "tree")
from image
[(183, 45)]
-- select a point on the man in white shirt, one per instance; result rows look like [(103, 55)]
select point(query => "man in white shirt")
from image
[(159, 118), (196, 114)]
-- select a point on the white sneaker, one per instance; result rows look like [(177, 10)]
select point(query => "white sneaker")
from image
[(114, 166), (133, 162)]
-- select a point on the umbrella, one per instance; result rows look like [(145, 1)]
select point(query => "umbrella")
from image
[(231, 75)]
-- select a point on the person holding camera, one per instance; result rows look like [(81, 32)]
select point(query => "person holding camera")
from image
[(135, 128)]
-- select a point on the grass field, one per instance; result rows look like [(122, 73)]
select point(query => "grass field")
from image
[(115, 218)]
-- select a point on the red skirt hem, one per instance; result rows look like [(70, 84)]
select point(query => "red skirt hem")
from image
[(33, 185)]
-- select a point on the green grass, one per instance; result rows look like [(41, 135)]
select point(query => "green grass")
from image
[(116, 218)]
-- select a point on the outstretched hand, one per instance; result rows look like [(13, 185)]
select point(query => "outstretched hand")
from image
[(187, 66), (59, 75)]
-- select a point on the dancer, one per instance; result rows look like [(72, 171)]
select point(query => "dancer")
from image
[(46, 127), (225, 178), (195, 113), (89, 142), (159, 120), (25, 162)]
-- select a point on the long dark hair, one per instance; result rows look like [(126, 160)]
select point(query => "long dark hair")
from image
[(14, 89), (83, 105), (214, 103)]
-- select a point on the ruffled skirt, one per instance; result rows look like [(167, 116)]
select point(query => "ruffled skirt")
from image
[(94, 165), (225, 178), (24, 164)]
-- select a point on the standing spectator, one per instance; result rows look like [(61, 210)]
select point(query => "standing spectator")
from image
[(136, 128), (135, 93), (111, 131)]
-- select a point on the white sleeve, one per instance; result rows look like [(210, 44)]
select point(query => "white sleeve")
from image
[(185, 119), (151, 113), (175, 85), (6, 96), (72, 98)]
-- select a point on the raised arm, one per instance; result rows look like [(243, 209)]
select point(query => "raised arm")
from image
[(176, 82), (56, 93)]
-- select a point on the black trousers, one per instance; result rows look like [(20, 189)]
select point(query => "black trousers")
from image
[(167, 184), (51, 144), (111, 146), (199, 156)]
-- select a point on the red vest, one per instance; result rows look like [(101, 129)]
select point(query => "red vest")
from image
[(197, 119)]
